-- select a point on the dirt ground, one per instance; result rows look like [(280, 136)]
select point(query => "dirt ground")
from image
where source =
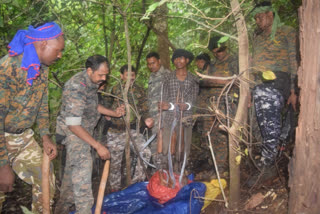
[(270, 196), (267, 196)]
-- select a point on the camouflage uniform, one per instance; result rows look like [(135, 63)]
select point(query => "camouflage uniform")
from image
[(210, 95), (188, 91), (117, 135), (79, 107), (154, 96), (21, 106), (278, 55)]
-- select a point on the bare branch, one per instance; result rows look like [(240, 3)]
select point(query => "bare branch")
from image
[(216, 77)]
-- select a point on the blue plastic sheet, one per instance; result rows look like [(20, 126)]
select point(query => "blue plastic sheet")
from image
[(136, 199)]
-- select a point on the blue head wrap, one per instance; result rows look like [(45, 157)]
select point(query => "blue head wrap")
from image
[(23, 41)]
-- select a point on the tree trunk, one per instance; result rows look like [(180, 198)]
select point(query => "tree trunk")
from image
[(241, 115), (160, 27), (104, 30), (113, 34), (304, 169), (145, 38), (125, 99)]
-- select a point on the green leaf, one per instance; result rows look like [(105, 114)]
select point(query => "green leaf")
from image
[(25, 210), (223, 39), (170, 6), (238, 159), (145, 18), (207, 10), (153, 7), (268, 75), (16, 3), (1, 21)]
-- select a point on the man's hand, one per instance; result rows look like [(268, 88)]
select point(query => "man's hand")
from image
[(120, 111), (49, 147), (183, 106), (149, 122), (293, 100), (103, 152), (163, 105), (6, 178)]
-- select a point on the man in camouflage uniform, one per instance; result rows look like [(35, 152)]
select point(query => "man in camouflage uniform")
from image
[(117, 132), (274, 49), (24, 102), (179, 97), (154, 91), (79, 115), (202, 62), (225, 65)]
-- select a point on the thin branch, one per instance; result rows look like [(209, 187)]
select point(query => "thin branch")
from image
[(216, 77), (208, 27)]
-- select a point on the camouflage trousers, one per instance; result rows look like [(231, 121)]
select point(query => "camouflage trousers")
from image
[(25, 156), (116, 145), (76, 184), (268, 103), (218, 137)]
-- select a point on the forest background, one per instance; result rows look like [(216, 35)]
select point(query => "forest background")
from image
[(97, 27)]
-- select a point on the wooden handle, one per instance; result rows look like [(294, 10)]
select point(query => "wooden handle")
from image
[(102, 187), (45, 183), (159, 141)]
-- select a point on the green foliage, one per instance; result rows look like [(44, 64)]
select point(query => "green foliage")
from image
[(190, 25), (223, 40), (25, 210)]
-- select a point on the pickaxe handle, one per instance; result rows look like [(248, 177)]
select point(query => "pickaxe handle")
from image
[(102, 187), (45, 182)]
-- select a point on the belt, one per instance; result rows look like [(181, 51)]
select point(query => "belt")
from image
[(15, 131)]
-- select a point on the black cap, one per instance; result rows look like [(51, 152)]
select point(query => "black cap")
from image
[(182, 52), (203, 56), (213, 43)]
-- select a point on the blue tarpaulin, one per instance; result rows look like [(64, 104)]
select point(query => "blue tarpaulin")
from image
[(136, 199)]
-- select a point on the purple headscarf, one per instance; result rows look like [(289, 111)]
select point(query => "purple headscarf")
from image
[(23, 41)]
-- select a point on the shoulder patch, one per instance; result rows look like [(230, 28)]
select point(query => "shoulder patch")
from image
[(83, 84)]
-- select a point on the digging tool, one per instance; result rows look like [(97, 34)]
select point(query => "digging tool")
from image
[(102, 187), (160, 136), (172, 146), (181, 134), (45, 182), (171, 180)]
